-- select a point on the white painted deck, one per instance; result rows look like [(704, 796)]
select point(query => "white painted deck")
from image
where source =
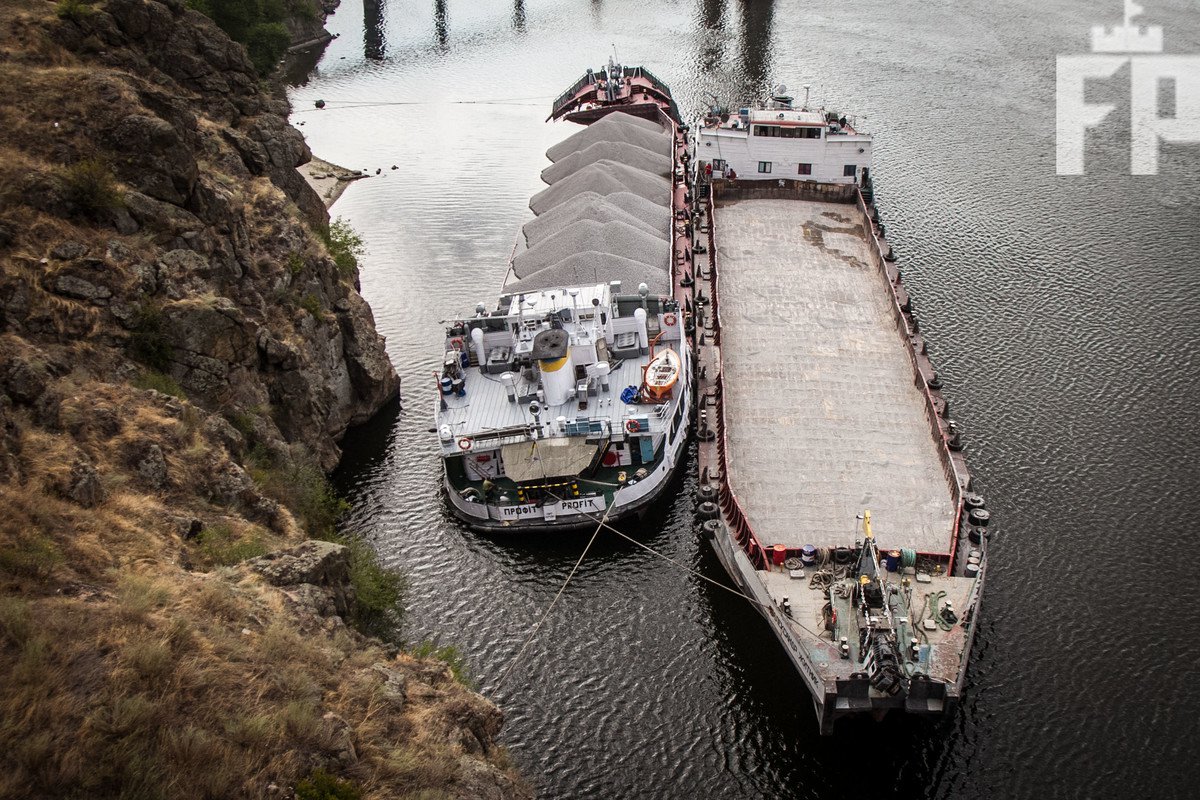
[(486, 407), (824, 418)]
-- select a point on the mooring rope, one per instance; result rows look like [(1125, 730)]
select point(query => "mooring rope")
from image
[(538, 626), (603, 523)]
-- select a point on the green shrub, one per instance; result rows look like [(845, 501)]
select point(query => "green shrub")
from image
[(345, 245), (447, 653), (33, 555), (159, 382), (312, 304), (257, 25), (307, 493), (295, 264), (15, 622), (320, 785), (378, 591), (75, 10), (91, 187), (220, 545), (266, 43)]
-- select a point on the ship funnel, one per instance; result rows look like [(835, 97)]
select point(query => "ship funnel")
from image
[(552, 351), (477, 340)]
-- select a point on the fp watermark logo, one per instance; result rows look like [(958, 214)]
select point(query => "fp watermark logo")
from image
[(1150, 69)]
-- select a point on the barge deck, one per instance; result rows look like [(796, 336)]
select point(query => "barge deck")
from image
[(824, 417)]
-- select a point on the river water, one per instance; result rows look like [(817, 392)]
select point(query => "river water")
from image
[(1061, 312)]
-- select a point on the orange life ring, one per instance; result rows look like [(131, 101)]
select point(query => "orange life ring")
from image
[(456, 343), (465, 444), (633, 426), (669, 320)]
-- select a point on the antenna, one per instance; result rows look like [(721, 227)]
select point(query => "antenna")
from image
[(806, 88)]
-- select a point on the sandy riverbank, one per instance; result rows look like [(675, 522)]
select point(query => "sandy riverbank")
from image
[(328, 180)]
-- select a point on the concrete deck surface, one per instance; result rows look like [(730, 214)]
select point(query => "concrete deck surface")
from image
[(823, 415)]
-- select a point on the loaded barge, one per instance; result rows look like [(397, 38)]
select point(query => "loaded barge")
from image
[(832, 481), (568, 399)]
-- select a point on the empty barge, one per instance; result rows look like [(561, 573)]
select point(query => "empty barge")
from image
[(832, 483)]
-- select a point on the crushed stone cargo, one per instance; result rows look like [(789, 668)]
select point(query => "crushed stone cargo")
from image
[(614, 128), (617, 238), (592, 267), (623, 153), (604, 178), (619, 207)]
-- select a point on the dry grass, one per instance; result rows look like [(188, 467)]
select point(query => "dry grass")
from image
[(142, 679), (135, 664)]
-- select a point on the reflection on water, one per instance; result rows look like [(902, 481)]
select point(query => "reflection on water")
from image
[(518, 17), (1060, 312), (757, 47), (374, 40), (441, 23)]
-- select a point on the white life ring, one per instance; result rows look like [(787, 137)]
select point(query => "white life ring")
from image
[(669, 320), (465, 444)]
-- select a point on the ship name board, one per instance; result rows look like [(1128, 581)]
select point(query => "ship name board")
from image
[(563, 508)]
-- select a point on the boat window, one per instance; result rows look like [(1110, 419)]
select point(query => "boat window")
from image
[(718, 164), (806, 169), (776, 131), (764, 166), (849, 170)]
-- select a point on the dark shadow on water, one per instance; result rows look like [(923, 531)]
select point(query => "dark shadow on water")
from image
[(518, 16), (365, 448), (757, 51), (374, 41), (298, 67), (441, 24)]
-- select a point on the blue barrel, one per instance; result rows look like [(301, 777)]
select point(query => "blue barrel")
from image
[(447, 385), (465, 358), (459, 386), (808, 555), (891, 560)]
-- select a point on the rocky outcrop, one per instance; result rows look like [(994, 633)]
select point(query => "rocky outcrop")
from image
[(213, 271), (179, 357)]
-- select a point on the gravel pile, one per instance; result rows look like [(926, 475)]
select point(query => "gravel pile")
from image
[(606, 215), (616, 238), (620, 207), (604, 178), (616, 127), (628, 154), (592, 267)]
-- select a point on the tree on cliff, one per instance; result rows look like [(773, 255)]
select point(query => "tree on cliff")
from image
[(258, 24)]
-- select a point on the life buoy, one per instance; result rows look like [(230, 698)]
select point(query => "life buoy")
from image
[(456, 343), (465, 444), (633, 426), (669, 320)]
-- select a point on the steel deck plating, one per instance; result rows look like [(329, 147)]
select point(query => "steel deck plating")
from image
[(828, 419)]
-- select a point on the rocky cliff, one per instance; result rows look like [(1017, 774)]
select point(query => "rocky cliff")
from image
[(180, 352)]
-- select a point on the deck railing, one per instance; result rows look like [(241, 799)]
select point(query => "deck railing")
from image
[(731, 507), (563, 99)]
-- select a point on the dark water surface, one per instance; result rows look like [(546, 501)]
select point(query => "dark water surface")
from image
[(1061, 311)]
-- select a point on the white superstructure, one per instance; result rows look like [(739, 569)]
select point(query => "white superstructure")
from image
[(774, 139)]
